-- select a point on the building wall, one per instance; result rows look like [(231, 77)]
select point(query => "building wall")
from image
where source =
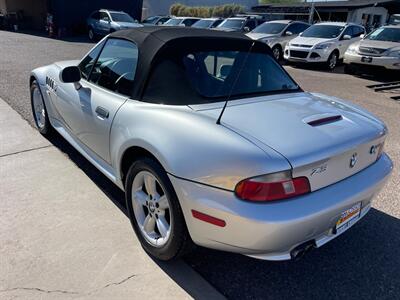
[(161, 7), (33, 11), (356, 16), (72, 14), (3, 8)]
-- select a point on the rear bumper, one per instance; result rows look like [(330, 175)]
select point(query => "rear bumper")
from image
[(389, 63), (272, 230)]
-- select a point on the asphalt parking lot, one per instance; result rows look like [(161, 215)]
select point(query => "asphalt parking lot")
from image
[(363, 263)]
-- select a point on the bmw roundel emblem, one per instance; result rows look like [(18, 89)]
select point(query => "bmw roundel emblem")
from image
[(353, 160)]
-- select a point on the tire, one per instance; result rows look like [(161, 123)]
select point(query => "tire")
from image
[(39, 111), (277, 52), (91, 34), (332, 61), (173, 243)]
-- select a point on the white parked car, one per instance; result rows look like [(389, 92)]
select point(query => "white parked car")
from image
[(323, 43), (277, 34), (379, 49)]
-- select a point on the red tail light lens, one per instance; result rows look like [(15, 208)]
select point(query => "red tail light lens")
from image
[(272, 187)]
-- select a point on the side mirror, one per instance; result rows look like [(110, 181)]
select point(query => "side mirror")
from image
[(246, 29), (362, 36), (288, 33), (70, 74), (346, 37)]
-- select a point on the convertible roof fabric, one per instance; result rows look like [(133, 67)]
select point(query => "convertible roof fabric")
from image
[(152, 40)]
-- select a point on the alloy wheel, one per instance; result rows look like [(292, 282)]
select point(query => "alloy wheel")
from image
[(151, 208), (276, 52), (332, 61), (91, 34), (38, 109)]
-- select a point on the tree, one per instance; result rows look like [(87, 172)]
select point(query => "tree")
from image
[(223, 11)]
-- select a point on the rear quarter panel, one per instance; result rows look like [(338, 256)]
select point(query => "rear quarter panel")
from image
[(189, 145)]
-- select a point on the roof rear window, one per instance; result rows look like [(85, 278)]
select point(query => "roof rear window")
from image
[(195, 77)]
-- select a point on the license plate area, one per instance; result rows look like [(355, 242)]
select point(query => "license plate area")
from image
[(348, 218), (366, 59)]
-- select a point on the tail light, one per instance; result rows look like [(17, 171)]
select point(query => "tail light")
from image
[(272, 187)]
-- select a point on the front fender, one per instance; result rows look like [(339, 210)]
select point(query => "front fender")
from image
[(40, 74), (189, 145)]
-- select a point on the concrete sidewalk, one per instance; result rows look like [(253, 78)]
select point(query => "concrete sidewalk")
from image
[(61, 237)]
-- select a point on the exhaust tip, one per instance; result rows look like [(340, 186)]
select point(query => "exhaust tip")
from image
[(298, 252)]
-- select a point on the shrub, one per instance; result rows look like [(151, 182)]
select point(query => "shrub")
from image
[(223, 11)]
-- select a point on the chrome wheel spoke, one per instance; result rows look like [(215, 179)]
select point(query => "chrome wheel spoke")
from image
[(149, 224), (150, 184), (38, 107), (151, 209), (141, 197), (163, 226), (163, 202)]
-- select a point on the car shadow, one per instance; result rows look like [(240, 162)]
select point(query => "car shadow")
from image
[(66, 38), (362, 263), (184, 276)]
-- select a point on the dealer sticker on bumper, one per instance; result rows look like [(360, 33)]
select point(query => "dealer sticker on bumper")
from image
[(348, 218)]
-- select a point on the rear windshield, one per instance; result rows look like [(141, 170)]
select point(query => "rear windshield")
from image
[(388, 34), (270, 28), (206, 76), (323, 31)]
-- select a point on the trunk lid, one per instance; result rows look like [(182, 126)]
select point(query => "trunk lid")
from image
[(317, 135)]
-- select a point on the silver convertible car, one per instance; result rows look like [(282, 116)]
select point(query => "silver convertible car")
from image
[(213, 142)]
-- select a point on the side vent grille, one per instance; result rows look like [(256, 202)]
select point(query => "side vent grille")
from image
[(50, 83)]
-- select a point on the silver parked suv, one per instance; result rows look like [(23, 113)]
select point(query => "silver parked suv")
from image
[(277, 34), (103, 22), (379, 49)]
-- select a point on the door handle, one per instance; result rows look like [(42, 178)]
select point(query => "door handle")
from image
[(102, 112)]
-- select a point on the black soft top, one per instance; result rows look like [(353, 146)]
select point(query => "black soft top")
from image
[(153, 40)]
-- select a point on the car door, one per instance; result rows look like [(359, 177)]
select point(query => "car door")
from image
[(68, 96), (104, 23), (250, 24), (344, 44), (294, 29), (107, 80), (109, 85), (94, 22)]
